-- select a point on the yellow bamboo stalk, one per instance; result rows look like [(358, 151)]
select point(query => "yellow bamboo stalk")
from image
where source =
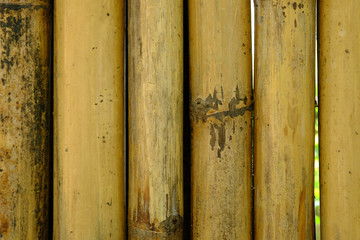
[(24, 119), (220, 87), (339, 82), (155, 119), (89, 165), (284, 119)]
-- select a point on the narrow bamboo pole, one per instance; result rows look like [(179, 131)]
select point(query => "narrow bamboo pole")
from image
[(24, 119), (339, 81), (284, 119), (220, 87), (89, 165), (155, 119)]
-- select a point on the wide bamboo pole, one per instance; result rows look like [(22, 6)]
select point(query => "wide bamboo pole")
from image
[(155, 119), (89, 164), (339, 95), (24, 119), (284, 119), (220, 111)]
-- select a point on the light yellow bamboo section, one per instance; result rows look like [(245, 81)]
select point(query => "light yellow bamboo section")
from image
[(89, 164), (24, 119), (339, 78), (220, 87), (284, 119), (155, 119)]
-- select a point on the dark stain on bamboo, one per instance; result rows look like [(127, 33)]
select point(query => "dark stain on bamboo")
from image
[(25, 117), (220, 138), (200, 108)]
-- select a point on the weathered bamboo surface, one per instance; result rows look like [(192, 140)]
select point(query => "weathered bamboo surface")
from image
[(89, 200), (284, 119), (24, 119), (155, 119), (339, 95), (220, 111)]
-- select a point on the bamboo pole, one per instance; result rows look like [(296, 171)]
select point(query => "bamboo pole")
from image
[(155, 119), (339, 82), (220, 87), (284, 119), (24, 119), (89, 164)]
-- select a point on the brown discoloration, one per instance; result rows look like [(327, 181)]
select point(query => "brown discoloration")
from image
[(142, 213), (172, 225), (302, 217), (24, 136), (4, 226)]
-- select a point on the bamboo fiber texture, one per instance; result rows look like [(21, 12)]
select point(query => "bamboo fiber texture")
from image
[(339, 96), (89, 201), (24, 119), (284, 119), (155, 31), (220, 111)]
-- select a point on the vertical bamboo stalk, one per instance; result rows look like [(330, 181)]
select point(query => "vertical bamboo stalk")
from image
[(220, 87), (89, 165), (24, 119), (339, 82), (284, 119), (155, 119)]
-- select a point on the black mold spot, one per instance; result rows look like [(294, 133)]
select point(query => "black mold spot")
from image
[(173, 225), (17, 32), (347, 51), (294, 5)]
